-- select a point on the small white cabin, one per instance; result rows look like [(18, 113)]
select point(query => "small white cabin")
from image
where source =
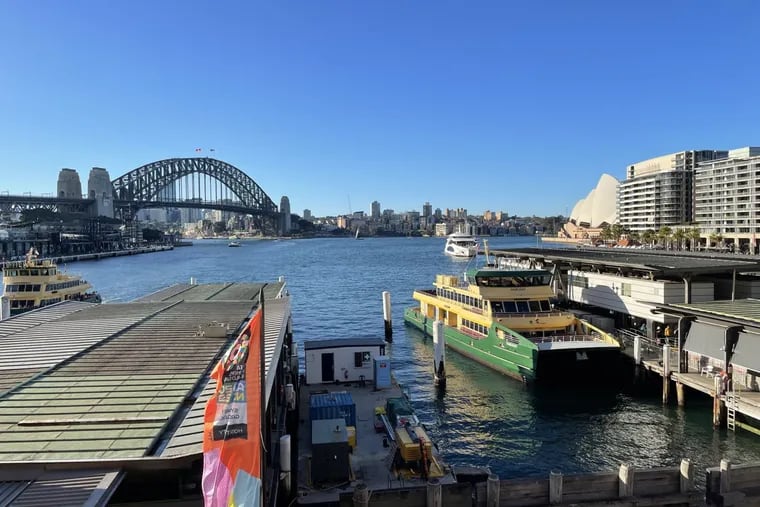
[(342, 360)]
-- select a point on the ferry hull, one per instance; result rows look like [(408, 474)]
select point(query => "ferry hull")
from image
[(523, 363)]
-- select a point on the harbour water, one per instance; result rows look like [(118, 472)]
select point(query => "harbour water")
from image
[(482, 418)]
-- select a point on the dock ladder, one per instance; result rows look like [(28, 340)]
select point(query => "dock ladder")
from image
[(732, 403)]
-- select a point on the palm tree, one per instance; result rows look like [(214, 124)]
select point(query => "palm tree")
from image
[(617, 231), (664, 234), (648, 237), (679, 235), (694, 235), (716, 238)]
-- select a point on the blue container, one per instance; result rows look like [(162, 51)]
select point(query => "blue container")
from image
[(333, 406), (382, 370)]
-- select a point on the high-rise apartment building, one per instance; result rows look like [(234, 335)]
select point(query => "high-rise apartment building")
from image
[(375, 209), (427, 210), (727, 197), (658, 192), (307, 215)]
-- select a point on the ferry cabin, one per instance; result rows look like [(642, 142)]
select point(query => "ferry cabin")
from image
[(519, 300), (32, 285)]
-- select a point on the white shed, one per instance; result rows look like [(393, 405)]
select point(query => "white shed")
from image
[(342, 360)]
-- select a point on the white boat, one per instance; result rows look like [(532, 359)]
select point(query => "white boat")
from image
[(459, 244), (233, 243)]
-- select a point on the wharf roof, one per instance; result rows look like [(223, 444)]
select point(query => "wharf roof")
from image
[(103, 383), (658, 263), (343, 342), (739, 312)]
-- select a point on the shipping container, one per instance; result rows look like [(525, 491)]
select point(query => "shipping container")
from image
[(333, 406)]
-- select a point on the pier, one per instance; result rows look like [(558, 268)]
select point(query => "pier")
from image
[(65, 259)]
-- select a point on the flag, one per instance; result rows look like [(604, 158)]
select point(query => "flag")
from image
[(198, 150), (232, 425)]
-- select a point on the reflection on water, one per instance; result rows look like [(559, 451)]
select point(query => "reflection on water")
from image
[(482, 418)]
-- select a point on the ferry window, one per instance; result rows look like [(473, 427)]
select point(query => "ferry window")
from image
[(545, 305), (510, 307), (497, 307), (535, 306), (626, 289), (522, 307)]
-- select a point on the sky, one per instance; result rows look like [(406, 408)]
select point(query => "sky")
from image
[(487, 105)]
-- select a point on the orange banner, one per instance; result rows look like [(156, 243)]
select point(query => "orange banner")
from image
[(232, 424)]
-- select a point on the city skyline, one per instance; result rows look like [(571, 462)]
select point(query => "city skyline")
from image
[(496, 106)]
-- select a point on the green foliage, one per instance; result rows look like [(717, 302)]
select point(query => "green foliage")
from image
[(152, 235)]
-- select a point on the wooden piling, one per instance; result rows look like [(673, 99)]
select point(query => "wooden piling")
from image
[(625, 481), (555, 487), (717, 403), (665, 373), (492, 491), (725, 476), (434, 493), (680, 394), (387, 316), (361, 495)]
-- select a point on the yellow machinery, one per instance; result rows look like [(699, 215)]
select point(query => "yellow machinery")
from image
[(411, 440)]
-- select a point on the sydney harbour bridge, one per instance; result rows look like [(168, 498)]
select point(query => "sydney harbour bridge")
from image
[(197, 183)]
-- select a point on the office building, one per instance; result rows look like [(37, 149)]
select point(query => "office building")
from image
[(427, 210), (375, 210)]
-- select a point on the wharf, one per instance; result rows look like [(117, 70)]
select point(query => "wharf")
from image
[(370, 461), (65, 259)]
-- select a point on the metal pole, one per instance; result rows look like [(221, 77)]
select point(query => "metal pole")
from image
[(387, 316)]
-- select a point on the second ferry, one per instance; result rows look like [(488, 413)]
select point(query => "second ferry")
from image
[(503, 318), (34, 283)]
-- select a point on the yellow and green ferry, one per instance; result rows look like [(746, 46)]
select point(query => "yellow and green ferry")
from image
[(503, 318)]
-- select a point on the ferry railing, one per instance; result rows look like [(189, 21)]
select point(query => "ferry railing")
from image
[(566, 338), (650, 348)]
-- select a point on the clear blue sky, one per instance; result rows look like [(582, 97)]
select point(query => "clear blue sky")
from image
[(514, 106)]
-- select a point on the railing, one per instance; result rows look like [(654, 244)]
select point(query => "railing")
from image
[(566, 338)]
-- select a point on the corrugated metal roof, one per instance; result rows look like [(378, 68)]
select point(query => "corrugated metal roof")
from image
[(745, 310), (114, 400), (216, 292), (646, 260), (189, 436), (64, 488), (44, 315), (34, 349)]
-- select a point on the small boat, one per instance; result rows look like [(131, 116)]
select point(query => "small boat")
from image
[(461, 245), (357, 234), (233, 244), (502, 317), (34, 283)]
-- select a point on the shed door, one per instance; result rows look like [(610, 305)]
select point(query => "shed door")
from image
[(328, 367)]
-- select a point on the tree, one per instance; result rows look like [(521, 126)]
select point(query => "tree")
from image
[(715, 238), (663, 235), (648, 237), (617, 231), (152, 235), (694, 235), (679, 236)]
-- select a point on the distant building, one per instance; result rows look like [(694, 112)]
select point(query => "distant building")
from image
[(438, 214), (658, 192), (725, 193), (375, 210), (442, 229), (307, 215), (285, 215), (427, 210)]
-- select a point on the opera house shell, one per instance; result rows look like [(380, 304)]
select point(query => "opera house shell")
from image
[(599, 207)]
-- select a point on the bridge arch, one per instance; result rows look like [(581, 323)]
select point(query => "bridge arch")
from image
[(142, 187)]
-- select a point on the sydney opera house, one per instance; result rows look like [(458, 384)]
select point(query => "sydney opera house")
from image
[(592, 213)]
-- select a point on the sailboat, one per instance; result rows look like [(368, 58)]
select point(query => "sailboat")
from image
[(357, 234)]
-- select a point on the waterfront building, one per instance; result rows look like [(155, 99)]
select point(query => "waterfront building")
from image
[(658, 192), (593, 212), (375, 210), (727, 198)]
